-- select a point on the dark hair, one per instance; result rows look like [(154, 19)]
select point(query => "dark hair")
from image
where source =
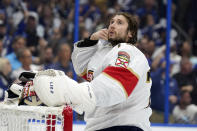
[(20, 52), (16, 38), (183, 92), (132, 25)]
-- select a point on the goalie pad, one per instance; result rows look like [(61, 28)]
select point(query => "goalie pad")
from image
[(54, 88)]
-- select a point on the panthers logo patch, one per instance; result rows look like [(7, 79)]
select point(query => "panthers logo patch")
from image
[(123, 59), (90, 76)]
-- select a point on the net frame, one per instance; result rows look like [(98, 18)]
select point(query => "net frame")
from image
[(39, 118)]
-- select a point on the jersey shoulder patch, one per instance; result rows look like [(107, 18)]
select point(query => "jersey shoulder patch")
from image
[(123, 59)]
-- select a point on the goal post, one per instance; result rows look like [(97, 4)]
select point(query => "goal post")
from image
[(35, 118)]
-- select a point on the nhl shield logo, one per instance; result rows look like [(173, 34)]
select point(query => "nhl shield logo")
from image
[(123, 59)]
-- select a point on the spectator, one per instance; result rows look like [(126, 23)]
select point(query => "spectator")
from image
[(33, 31), (55, 39), (173, 56), (158, 93), (147, 47), (91, 14), (40, 50), (101, 4), (185, 112), (149, 7), (5, 70), (3, 15), (47, 57), (7, 6), (149, 29), (25, 57), (192, 25), (186, 78), (5, 37), (186, 51), (48, 19), (63, 60), (183, 10), (1, 47), (126, 5), (17, 43)]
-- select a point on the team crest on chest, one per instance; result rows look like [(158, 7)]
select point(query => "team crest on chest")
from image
[(90, 75), (123, 59)]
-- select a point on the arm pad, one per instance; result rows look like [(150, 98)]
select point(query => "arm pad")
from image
[(54, 88)]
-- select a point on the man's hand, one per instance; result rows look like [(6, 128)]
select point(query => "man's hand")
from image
[(173, 99), (101, 34)]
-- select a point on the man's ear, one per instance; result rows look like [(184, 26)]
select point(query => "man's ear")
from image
[(129, 34)]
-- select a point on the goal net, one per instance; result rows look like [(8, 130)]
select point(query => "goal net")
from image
[(35, 118)]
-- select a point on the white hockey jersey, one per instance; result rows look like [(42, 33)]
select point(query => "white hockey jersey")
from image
[(119, 77)]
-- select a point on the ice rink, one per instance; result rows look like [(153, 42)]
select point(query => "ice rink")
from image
[(159, 127)]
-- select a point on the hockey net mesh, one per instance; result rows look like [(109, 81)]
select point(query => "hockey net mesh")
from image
[(35, 118)]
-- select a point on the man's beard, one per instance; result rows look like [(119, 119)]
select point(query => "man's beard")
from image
[(115, 42), (2, 35)]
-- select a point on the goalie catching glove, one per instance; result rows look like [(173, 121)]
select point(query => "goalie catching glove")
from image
[(21, 92), (54, 88)]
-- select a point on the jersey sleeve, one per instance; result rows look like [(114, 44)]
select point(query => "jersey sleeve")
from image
[(118, 80), (81, 56)]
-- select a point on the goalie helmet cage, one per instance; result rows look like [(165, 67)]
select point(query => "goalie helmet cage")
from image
[(35, 118)]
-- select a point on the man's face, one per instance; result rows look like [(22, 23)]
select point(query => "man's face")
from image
[(27, 58), (118, 30), (65, 52), (48, 55), (186, 98), (2, 31), (31, 23), (1, 46), (20, 43)]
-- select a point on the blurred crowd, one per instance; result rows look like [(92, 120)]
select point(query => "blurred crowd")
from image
[(38, 34)]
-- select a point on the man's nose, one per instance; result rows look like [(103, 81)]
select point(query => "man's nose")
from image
[(112, 26)]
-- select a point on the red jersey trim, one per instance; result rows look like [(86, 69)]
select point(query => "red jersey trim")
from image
[(84, 74), (125, 77)]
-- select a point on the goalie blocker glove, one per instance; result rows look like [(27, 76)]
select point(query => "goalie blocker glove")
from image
[(54, 88), (28, 96), (15, 89)]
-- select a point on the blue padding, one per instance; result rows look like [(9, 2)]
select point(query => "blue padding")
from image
[(173, 125)]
